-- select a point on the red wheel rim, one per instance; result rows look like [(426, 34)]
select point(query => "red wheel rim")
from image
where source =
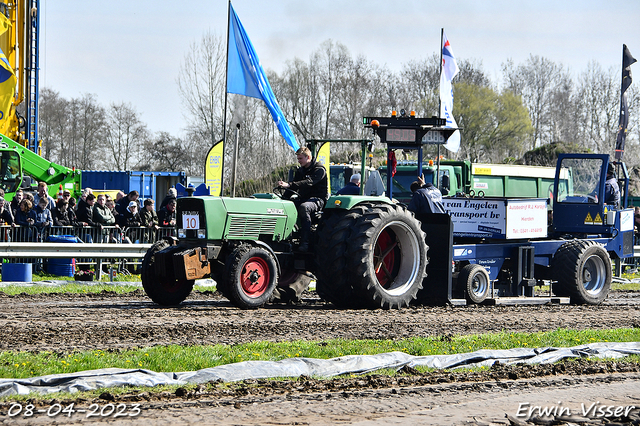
[(255, 277), (384, 257)]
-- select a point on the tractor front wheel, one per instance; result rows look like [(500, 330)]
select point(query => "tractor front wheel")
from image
[(251, 276)]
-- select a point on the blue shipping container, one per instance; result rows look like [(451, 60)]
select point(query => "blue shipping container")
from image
[(149, 184)]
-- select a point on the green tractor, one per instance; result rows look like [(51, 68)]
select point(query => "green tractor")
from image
[(365, 252)]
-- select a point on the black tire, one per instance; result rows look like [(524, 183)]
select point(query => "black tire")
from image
[(333, 283), (251, 274), (583, 272), (476, 282), (387, 256), (163, 289)]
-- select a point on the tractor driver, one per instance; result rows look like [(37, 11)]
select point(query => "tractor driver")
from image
[(310, 181), (611, 188)]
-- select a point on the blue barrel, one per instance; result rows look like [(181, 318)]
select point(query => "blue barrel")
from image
[(63, 267), (17, 272)]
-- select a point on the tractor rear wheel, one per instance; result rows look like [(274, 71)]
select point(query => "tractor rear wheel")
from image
[(164, 289), (251, 274), (334, 283), (583, 271), (387, 256)]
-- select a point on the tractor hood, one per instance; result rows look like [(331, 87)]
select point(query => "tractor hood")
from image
[(239, 218)]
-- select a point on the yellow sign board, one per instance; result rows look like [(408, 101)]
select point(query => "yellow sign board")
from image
[(213, 168), (323, 158)]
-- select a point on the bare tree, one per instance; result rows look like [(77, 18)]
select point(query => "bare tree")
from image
[(125, 135), (535, 81), (418, 86), (166, 152), (202, 85), (84, 140), (599, 93), (329, 62), (53, 124)]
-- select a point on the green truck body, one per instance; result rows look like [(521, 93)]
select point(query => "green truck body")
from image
[(466, 178)]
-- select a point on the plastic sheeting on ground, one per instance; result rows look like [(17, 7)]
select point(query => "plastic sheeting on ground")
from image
[(58, 283), (295, 367)]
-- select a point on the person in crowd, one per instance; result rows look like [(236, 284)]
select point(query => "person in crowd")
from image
[(352, 187), (29, 196), (149, 219), (82, 201), (62, 215), (101, 213), (25, 217), (426, 198), (84, 213), (115, 236), (6, 216), (42, 193), (148, 215), (72, 204), (111, 205), (131, 216), (66, 195), (611, 188), (119, 195), (15, 203), (167, 214), (43, 219), (123, 204), (172, 194), (310, 181)]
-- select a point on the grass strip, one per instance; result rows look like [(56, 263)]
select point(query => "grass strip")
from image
[(20, 364)]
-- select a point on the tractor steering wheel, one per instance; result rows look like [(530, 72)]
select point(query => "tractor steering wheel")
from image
[(280, 191)]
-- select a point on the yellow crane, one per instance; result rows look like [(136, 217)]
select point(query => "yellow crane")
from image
[(19, 43)]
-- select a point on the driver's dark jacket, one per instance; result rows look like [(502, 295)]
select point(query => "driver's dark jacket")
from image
[(311, 182)]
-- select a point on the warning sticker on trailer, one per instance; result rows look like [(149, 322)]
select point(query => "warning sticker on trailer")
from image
[(588, 220), (597, 220)]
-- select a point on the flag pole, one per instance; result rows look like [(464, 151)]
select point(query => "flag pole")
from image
[(440, 74), (439, 109), (226, 94)]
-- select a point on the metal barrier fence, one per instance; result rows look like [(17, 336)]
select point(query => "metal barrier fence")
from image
[(88, 235)]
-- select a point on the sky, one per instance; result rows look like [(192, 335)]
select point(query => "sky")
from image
[(131, 51)]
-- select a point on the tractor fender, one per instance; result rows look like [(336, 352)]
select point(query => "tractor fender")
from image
[(268, 248)]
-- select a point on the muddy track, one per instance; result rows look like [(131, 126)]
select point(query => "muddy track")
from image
[(105, 321), (108, 321)]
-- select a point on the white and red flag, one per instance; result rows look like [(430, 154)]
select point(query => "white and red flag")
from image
[(448, 71)]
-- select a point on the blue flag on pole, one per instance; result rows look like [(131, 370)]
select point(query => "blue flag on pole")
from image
[(245, 75)]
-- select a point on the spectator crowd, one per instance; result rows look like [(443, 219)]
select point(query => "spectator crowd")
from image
[(40, 211)]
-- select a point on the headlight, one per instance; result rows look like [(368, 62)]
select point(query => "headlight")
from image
[(202, 233), (181, 233)]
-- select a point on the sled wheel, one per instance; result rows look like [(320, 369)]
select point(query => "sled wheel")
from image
[(476, 282), (583, 271)]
